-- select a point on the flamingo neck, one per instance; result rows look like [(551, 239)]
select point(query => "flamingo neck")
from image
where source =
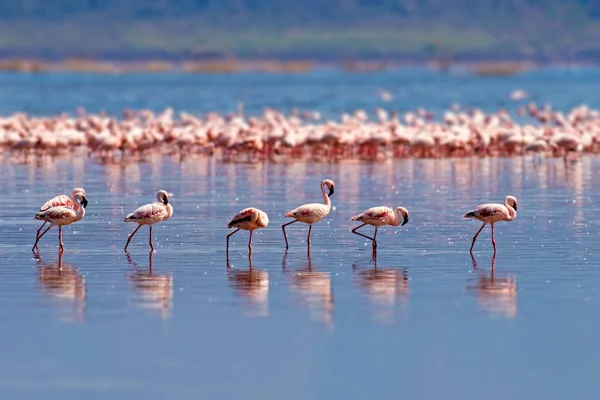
[(325, 196), (398, 217), (79, 210), (512, 214)]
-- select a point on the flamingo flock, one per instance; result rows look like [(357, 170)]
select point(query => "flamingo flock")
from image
[(62, 210), (460, 132)]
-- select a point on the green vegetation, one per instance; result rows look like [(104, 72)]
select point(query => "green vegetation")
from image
[(553, 29)]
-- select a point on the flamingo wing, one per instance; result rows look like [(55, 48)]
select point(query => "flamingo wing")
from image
[(375, 213), (59, 213), (245, 215), (57, 201), (155, 211)]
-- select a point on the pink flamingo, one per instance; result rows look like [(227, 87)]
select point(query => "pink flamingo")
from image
[(492, 213), (60, 200), (311, 213), (63, 215), (150, 214), (378, 217), (249, 219)]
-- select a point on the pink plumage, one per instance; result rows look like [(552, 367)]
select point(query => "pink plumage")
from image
[(380, 216), (311, 213), (63, 215), (150, 214), (492, 213), (57, 201), (249, 219)]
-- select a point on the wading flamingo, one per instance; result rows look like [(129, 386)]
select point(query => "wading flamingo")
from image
[(150, 214), (378, 217), (311, 213), (60, 200), (63, 215), (492, 213), (248, 219)]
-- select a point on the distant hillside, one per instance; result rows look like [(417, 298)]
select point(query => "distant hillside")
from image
[(551, 29)]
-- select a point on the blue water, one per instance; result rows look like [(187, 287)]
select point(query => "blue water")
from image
[(422, 320)]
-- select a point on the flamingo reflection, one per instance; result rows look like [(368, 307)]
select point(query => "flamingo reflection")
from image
[(252, 284), (315, 289), (155, 290), (384, 286), (65, 285), (495, 295)]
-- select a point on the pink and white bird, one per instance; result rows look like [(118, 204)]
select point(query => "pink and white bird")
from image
[(63, 215), (150, 214), (60, 200), (311, 213), (378, 217), (492, 213), (249, 219)]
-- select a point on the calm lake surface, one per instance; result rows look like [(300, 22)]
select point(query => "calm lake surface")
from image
[(421, 321)]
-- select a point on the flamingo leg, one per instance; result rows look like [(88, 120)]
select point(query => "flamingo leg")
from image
[(360, 234), (475, 237), (150, 239), (228, 238), (375, 238), (39, 237), (61, 246), (284, 235), (493, 239), (250, 244), (308, 237), (131, 236)]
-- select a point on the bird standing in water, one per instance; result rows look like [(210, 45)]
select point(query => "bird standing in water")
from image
[(63, 215), (150, 214), (492, 213), (380, 216), (249, 219), (311, 213)]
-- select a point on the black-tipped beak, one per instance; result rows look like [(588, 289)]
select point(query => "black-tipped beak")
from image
[(405, 221), (84, 202), (515, 207), (331, 191), (165, 200)]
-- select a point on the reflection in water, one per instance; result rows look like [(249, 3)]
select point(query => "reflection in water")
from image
[(495, 295), (315, 288), (155, 290), (384, 286), (252, 284), (62, 283)]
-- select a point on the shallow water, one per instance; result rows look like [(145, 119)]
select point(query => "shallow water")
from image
[(422, 320), (425, 323)]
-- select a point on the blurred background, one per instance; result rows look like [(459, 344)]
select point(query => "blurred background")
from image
[(227, 35)]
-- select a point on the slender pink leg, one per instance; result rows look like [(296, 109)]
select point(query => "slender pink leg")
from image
[(250, 244), (493, 239), (228, 239), (131, 236), (62, 247), (39, 237), (375, 239), (360, 234), (284, 235), (475, 237), (308, 237), (150, 240)]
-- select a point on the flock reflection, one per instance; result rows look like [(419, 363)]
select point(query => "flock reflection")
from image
[(386, 289)]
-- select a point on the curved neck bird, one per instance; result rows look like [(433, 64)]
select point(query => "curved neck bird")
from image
[(248, 219), (380, 216), (63, 215), (492, 213), (150, 214), (311, 213)]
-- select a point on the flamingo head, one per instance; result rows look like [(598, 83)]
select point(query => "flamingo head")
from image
[(511, 201), (330, 185)]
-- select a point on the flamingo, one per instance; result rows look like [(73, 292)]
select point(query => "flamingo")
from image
[(60, 200), (249, 219), (492, 213), (150, 214), (311, 213), (378, 217), (63, 215)]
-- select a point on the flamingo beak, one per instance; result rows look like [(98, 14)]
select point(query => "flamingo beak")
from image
[(405, 221), (331, 191), (84, 202), (515, 207)]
